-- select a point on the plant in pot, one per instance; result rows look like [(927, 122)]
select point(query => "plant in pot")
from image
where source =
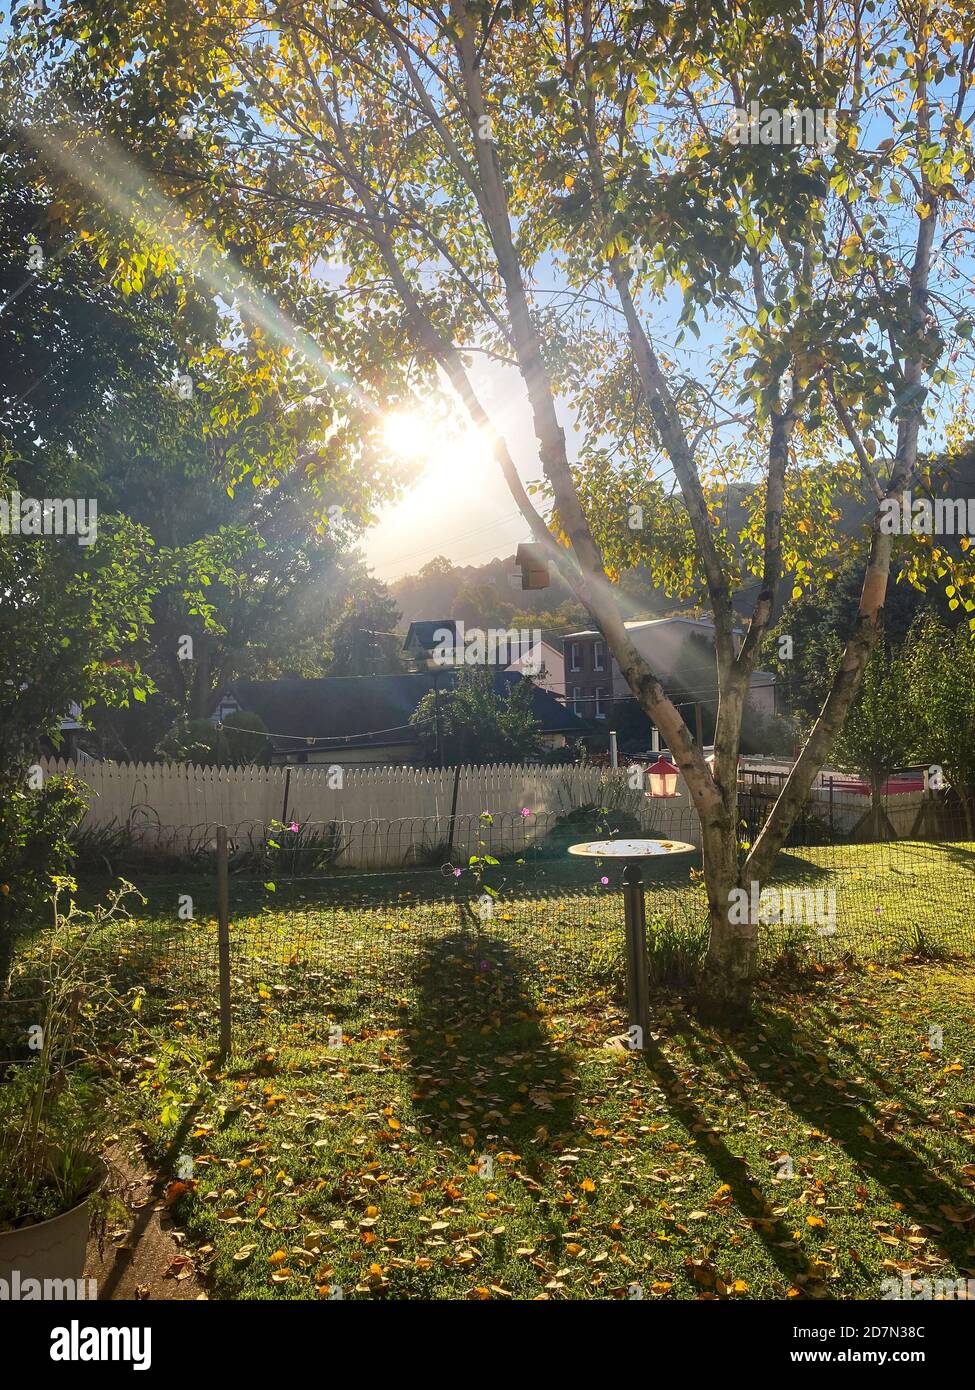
[(53, 1179)]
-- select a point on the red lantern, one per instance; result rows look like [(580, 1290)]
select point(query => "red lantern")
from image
[(663, 778)]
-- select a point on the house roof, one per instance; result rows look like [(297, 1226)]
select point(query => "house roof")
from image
[(365, 711), (637, 625), (428, 633)]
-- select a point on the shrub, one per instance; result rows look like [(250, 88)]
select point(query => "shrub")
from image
[(35, 849), (240, 741), (675, 954), (52, 1106), (52, 1165), (586, 823)]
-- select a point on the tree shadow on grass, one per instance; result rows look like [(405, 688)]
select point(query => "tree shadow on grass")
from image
[(793, 867), (882, 1077), (488, 1077), (791, 1061), (730, 1169), (964, 858)]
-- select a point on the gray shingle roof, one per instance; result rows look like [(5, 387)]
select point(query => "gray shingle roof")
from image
[(358, 707)]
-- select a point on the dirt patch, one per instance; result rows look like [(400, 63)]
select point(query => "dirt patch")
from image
[(141, 1255)]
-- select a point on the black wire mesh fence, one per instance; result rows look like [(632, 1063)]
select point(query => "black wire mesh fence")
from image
[(314, 949)]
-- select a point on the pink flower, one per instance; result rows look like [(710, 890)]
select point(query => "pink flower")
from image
[(294, 827), (604, 881), (525, 811), (457, 873)]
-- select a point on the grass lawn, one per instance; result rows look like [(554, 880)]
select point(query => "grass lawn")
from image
[(522, 1159), (469, 1135), (350, 949)]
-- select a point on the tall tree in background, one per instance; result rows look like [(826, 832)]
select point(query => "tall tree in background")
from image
[(363, 639), (803, 663), (220, 476), (880, 733), (556, 186), (942, 685), (480, 724)]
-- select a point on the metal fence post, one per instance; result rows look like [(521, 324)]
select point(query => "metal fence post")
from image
[(223, 940), (831, 806), (637, 963)]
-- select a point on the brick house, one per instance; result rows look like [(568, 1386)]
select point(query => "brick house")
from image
[(680, 652)]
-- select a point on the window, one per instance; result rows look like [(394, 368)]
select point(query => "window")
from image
[(598, 659), (600, 709), (577, 700), (574, 654)]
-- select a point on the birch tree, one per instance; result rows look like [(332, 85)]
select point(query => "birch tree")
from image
[(732, 307)]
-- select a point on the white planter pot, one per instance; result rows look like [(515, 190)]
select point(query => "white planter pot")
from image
[(53, 1249)]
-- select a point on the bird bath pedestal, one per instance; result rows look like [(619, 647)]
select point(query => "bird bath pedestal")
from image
[(633, 853)]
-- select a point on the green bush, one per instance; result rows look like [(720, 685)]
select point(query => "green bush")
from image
[(53, 1115), (35, 844), (239, 742), (585, 823), (307, 849), (61, 1167), (675, 954)]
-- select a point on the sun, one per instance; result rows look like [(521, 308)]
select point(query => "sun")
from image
[(407, 434), (450, 474), (443, 449)]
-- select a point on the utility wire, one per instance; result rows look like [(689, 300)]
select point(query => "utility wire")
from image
[(321, 738)]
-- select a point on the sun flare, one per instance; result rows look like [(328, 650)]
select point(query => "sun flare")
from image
[(442, 450), (407, 434)]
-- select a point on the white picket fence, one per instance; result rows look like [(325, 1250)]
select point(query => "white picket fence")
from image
[(158, 799)]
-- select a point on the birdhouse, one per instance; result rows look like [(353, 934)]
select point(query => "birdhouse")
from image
[(533, 566), (662, 777)]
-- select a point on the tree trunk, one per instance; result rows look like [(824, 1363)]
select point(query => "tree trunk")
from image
[(201, 683), (732, 954)]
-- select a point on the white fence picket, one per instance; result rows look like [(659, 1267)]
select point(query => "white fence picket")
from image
[(155, 798)]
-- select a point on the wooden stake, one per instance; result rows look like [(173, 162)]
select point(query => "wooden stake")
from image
[(223, 940)]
